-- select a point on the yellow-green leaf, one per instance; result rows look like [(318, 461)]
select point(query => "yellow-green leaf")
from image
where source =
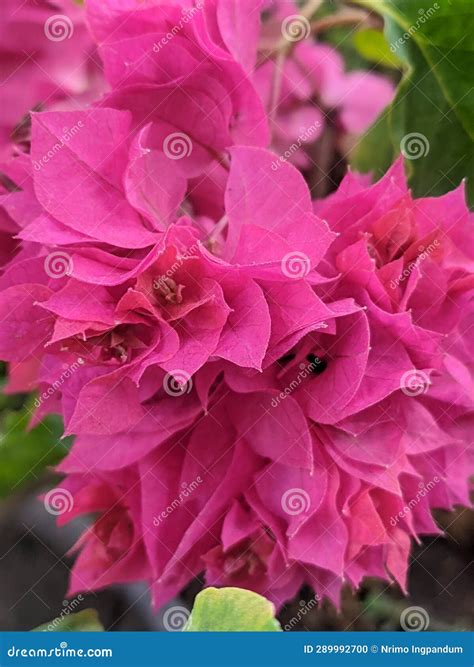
[(84, 621), (372, 45), (231, 610)]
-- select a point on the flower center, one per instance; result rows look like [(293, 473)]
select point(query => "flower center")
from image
[(247, 562), (169, 290)]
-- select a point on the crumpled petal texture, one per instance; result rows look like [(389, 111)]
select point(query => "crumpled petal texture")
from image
[(47, 60), (265, 389)]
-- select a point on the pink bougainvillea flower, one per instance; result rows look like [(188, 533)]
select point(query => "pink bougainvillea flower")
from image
[(263, 389), (8, 228), (296, 378), (164, 66), (315, 460), (133, 311), (111, 550), (313, 90), (46, 60)]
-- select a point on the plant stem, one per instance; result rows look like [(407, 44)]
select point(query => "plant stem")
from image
[(345, 17), (281, 52)]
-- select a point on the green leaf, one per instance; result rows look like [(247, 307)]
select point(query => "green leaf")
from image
[(433, 110), (84, 621), (372, 45), (25, 454), (375, 153), (231, 610), (443, 33)]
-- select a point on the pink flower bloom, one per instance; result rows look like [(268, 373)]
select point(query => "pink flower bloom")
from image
[(315, 91), (169, 69), (111, 550), (131, 324), (8, 228), (46, 60), (263, 389), (325, 465)]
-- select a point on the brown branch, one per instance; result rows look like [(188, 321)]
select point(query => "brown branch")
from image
[(346, 17)]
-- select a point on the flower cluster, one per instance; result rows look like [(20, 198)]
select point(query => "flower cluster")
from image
[(47, 60), (259, 385)]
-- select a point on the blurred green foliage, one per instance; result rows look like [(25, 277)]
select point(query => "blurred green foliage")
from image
[(25, 453), (434, 104)]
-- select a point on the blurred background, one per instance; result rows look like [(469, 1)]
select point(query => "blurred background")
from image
[(34, 560)]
